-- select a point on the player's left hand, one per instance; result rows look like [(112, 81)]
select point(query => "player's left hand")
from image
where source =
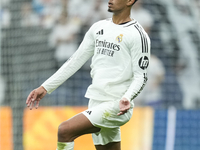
[(124, 106)]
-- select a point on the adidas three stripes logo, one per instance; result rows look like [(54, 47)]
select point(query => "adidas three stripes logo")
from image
[(100, 32)]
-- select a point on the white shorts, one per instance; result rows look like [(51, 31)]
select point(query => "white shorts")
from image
[(104, 115)]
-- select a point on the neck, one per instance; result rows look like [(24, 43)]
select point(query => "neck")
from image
[(119, 18)]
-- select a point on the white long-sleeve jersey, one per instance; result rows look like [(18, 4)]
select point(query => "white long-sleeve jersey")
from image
[(120, 57)]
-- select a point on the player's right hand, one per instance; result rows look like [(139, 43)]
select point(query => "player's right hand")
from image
[(35, 96)]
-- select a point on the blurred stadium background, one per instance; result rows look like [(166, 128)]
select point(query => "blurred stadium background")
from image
[(37, 36)]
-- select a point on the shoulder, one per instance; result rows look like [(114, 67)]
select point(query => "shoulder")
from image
[(99, 24), (141, 33), (135, 31), (134, 26), (102, 22)]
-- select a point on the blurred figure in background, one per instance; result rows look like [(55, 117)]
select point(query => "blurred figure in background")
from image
[(197, 4), (82, 12), (64, 36), (96, 12), (5, 15), (51, 11), (29, 18), (188, 63), (48, 11)]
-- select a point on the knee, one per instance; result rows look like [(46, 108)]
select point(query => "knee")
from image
[(64, 134)]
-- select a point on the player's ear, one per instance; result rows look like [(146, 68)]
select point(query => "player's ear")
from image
[(130, 2)]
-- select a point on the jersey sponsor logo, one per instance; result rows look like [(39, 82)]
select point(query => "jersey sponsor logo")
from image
[(88, 111), (100, 32), (108, 45), (119, 38), (143, 62), (104, 47), (104, 51)]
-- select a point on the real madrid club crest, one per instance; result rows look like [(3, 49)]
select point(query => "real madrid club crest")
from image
[(119, 38)]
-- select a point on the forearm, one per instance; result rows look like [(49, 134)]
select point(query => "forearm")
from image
[(66, 71), (136, 87)]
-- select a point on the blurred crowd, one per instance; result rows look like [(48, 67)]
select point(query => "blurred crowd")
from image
[(173, 26), (46, 13)]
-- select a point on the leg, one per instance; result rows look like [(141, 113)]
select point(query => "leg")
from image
[(75, 127), (104, 114), (109, 146)]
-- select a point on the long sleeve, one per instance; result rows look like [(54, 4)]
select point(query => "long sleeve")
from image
[(84, 52), (140, 54)]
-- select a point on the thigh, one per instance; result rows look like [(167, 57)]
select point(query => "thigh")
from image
[(107, 135), (109, 146), (76, 126), (104, 114)]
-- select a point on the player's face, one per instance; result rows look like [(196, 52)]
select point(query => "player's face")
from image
[(117, 5)]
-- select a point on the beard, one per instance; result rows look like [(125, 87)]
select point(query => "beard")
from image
[(109, 10)]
